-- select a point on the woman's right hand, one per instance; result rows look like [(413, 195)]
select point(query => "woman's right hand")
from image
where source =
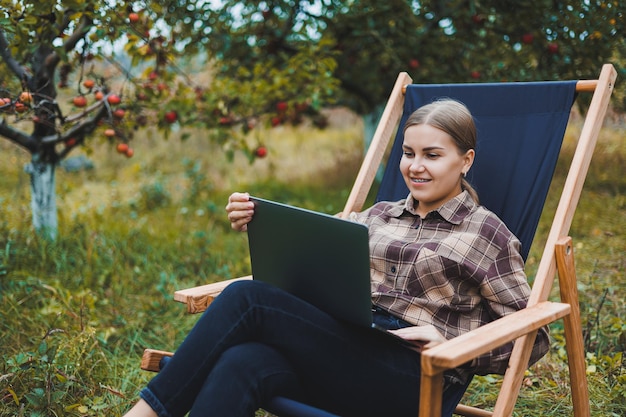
[(240, 211)]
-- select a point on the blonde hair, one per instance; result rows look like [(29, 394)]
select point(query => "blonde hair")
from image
[(454, 118)]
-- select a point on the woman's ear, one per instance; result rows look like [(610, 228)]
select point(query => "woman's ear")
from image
[(468, 160)]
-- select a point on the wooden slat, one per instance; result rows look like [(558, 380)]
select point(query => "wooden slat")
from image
[(587, 86), (382, 136), (199, 298), (467, 411), (151, 359), (572, 189), (582, 86), (574, 344), (464, 348)]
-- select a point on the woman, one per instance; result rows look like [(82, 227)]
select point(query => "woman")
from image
[(441, 265)]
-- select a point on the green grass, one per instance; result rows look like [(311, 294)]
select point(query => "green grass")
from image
[(76, 314)]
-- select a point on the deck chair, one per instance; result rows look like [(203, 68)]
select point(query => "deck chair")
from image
[(520, 130)]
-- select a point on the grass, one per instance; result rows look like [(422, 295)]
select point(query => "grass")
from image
[(76, 314)]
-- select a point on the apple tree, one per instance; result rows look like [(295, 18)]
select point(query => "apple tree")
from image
[(72, 71)]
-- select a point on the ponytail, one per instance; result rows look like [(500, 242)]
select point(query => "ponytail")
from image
[(466, 186)]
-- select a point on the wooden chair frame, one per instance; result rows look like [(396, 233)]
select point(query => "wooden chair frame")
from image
[(521, 327)]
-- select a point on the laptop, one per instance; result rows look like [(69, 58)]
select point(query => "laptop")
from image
[(317, 257)]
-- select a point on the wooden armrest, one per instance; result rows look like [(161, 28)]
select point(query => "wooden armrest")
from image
[(152, 358), (199, 298), (470, 345)]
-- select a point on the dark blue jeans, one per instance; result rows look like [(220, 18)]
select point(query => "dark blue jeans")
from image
[(256, 342)]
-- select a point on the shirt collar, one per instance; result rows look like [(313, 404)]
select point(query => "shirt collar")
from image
[(453, 211)]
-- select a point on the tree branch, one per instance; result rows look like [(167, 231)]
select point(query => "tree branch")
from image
[(81, 30), (17, 136), (81, 129), (6, 56)]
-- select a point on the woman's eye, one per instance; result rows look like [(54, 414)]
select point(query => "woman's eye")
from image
[(408, 154), (432, 156)]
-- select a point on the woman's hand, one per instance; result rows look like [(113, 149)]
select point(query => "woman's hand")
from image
[(422, 337), (240, 211)]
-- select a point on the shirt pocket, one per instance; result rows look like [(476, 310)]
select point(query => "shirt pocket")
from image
[(434, 278)]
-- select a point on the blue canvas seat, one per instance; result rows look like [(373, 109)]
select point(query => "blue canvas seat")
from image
[(520, 130)]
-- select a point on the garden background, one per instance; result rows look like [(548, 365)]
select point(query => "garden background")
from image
[(76, 313)]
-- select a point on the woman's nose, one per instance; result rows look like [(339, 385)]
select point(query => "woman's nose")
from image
[(417, 165)]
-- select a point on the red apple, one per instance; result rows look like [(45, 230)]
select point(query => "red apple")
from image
[(171, 116), (475, 75), (80, 101), (89, 83), (414, 63), (119, 113), (114, 99), (122, 147), (109, 133), (225, 120), (5, 103), (302, 106), (70, 142), (276, 121), (26, 97), (528, 38), (130, 152), (478, 19), (133, 17), (281, 106), (261, 152), (553, 47)]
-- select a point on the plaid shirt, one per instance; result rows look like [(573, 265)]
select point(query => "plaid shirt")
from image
[(457, 269)]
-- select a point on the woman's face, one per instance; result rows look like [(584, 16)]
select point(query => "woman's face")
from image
[(432, 166)]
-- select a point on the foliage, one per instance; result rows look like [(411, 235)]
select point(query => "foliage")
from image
[(75, 314), (435, 41)]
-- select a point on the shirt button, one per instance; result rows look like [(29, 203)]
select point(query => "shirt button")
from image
[(393, 269)]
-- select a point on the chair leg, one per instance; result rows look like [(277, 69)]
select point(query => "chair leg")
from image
[(467, 411), (431, 394), (573, 335)]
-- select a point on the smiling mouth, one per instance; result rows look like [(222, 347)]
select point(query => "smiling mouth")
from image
[(419, 180)]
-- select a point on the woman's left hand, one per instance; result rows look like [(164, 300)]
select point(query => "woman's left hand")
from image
[(423, 336)]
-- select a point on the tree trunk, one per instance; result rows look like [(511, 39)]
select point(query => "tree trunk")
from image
[(43, 196)]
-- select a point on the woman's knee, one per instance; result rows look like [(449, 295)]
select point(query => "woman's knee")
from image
[(253, 357), (244, 287)]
